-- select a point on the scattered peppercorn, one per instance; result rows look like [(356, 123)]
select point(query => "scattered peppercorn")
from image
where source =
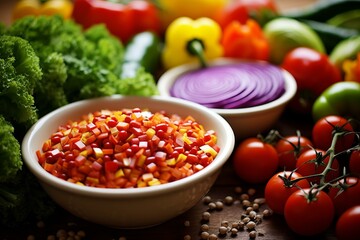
[(224, 223), (252, 234), (187, 223), (246, 203), (204, 227), (212, 206), (250, 225), (251, 191), (228, 200), (187, 237), (259, 201), (238, 190), (206, 216), (206, 199), (234, 231), (244, 196), (204, 235), (249, 218), (252, 215), (267, 213), (213, 237), (219, 205), (223, 230)]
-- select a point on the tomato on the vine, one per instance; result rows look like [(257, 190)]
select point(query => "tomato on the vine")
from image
[(289, 149), (309, 212), (347, 196), (323, 129), (279, 188), (255, 161), (313, 161), (347, 226), (354, 163)]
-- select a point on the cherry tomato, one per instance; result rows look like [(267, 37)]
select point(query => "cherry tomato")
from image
[(309, 212), (323, 129), (289, 149), (313, 162), (347, 226), (277, 191), (313, 72), (347, 198), (255, 161), (354, 162)]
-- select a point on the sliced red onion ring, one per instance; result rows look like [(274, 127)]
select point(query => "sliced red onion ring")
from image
[(229, 86)]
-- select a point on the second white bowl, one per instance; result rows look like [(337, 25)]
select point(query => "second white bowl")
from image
[(245, 122)]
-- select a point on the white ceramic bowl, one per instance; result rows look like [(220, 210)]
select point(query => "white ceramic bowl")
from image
[(245, 122), (136, 207)]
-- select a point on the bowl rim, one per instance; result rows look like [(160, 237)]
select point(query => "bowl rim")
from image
[(168, 77), (31, 161)]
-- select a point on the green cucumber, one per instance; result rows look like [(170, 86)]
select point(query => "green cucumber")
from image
[(143, 50), (324, 10), (329, 34), (349, 19)]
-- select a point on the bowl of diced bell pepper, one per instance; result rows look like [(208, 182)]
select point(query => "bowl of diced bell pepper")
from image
[(128, 161)]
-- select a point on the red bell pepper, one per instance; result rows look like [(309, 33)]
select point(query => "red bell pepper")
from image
[(242, 10), (245, 41), (122, 20)]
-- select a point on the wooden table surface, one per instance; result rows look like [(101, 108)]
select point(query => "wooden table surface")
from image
[(272, 228)]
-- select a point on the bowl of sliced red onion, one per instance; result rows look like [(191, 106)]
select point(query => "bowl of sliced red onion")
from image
[(250, 95)]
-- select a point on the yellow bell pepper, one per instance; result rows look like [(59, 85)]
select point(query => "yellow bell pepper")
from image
[(188, 40), (189, 8), (35, 7)]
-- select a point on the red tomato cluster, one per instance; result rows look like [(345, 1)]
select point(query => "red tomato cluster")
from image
[(305, 177)]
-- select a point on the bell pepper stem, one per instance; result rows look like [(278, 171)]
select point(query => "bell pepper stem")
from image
[(196, 47)]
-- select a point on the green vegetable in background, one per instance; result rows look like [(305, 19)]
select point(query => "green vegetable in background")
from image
[(349, 19), (56, 40), (323, 10), (10, 155), (17, 184), (346, 49), (143, 50), (285, 34), (19, 73), (329, 34), (341, 98), (332, 20), (76, 64)]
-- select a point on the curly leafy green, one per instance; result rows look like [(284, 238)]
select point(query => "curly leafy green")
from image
[(77, 64), (17, 184), (10, 157), (20, 72)]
